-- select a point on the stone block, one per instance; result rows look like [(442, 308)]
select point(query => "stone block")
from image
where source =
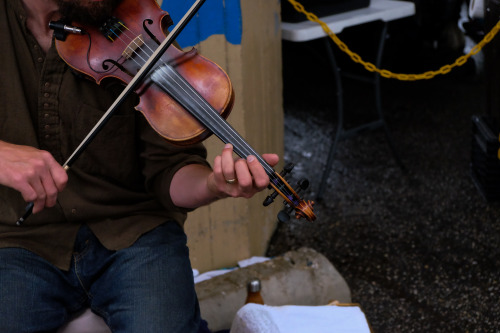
[(302, 277)]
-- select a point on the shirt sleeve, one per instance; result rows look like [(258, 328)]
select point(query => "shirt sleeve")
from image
[(162, 159)]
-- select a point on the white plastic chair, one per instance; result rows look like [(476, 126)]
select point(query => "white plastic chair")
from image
[(85, 322)]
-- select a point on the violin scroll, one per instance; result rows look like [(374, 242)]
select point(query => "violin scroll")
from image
[(303, 209)]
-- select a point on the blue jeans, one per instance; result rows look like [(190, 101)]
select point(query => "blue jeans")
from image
[(147, 287)]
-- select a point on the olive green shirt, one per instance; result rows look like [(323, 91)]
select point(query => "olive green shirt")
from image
[(119, 186)]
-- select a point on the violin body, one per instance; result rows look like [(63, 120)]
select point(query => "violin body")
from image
[(90, 54)]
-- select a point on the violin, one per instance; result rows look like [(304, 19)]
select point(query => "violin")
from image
[(185, 97)]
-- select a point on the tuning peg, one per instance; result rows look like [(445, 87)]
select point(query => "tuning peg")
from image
[(292, 201), (270, 198), (303, 184), (283, 216), (287, 169)]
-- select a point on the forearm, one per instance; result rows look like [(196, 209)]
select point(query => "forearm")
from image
[(189, 187)]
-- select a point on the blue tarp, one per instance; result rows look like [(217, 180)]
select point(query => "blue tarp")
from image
[(215, 17)]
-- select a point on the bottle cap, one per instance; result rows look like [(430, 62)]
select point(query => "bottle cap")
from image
[(254, 285)]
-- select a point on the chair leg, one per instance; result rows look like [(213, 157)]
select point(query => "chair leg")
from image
[(378, 99), (340, 119)]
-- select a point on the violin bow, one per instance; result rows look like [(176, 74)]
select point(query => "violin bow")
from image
[(129, 88)]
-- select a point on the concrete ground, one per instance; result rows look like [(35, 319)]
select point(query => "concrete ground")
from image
[(419, 249)]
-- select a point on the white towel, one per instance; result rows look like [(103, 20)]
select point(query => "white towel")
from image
[(256, 318)]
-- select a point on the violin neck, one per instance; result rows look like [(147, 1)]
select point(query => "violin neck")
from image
[(183, 93)]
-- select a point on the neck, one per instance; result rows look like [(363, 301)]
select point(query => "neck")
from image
[(39, 13)]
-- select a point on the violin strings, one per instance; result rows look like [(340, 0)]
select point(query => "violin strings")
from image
[(177, 79)]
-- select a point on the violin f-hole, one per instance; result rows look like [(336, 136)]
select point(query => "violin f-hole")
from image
[(150, 34), (117, 64)]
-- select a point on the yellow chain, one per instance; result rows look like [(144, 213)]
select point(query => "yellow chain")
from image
[(386, 73)]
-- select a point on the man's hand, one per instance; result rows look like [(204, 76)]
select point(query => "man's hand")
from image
[(34, 173), (195, 185), (239, 177)]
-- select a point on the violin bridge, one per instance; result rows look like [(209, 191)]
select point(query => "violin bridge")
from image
[(132, 47)]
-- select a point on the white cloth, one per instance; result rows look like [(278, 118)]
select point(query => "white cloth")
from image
[(210, 274), (85, 322), (256, 318)]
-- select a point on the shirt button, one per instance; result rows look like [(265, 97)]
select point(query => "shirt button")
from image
[(46, 105), (35, 47), (46, 95), (47, 127), (47, 84), (73, 211), (47, 136), (39, 59), (46, 115)]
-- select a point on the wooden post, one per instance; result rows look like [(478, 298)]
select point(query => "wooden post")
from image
[(227, 231)]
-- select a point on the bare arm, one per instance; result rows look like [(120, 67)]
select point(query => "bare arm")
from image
[(196, 185)]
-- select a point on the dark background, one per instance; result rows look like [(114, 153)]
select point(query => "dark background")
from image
[(418, 248)]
